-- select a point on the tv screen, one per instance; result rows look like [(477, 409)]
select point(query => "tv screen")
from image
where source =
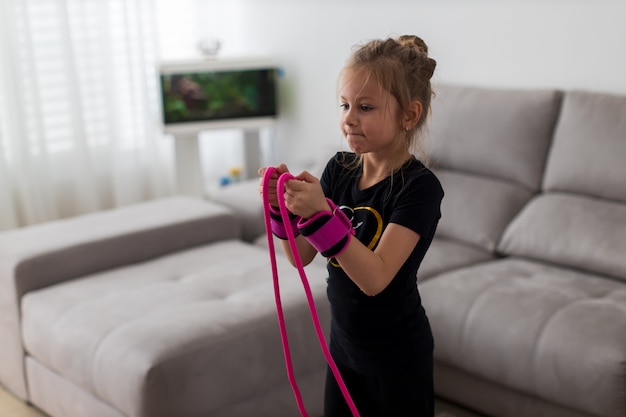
[(217, 94)]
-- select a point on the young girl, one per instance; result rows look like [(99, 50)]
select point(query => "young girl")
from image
[(373, 214)]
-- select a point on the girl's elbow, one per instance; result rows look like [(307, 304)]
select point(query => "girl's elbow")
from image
[(372, 290), (375, 285), (293, 263), (305, 259)]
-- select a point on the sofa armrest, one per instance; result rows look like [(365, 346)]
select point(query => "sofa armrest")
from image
[(244, 200), (46, 254)]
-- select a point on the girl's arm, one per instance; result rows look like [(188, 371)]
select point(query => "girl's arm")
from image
[(306, 251), (370, 270)]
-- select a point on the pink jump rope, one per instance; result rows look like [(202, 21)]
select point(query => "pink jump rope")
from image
[(307, 289)]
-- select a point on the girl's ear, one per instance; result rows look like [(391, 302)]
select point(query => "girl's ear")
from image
[(412, 115)]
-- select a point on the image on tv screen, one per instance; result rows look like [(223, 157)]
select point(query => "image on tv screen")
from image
[(218, 95)]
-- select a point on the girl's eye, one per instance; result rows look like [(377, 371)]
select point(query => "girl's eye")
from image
[(363, 107)]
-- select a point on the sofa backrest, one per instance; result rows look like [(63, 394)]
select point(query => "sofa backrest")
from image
[(579, 220), (589, 150), (489, 148)]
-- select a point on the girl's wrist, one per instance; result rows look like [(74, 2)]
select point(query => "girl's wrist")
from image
[(328, 231), (325, 208), (279, 227)]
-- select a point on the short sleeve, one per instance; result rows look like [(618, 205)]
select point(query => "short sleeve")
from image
[(418, 205)]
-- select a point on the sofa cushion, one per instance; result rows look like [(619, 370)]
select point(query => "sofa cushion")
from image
[(244, 201), (44, 254), (589, 148), (445, 255), (475, 209), (574, 231), (493, 132), (186, 334), (554, 333)]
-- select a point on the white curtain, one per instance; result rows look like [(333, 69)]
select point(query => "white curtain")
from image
[(78, 109)]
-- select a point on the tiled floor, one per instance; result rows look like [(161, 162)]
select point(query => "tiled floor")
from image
[(12, 407)]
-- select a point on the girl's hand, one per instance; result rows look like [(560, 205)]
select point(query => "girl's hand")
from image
[(271, 191), (304, 196)]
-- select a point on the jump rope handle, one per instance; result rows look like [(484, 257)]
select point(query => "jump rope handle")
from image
[(284, 214)]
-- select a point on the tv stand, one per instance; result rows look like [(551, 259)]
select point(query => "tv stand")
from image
[(189, 175)]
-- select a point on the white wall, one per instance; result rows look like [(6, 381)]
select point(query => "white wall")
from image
[(567, 44)]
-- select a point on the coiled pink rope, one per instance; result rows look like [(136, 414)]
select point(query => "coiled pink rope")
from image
[(307, 289)]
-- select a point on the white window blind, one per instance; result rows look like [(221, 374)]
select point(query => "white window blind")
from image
[(78, 108), (85, 64)]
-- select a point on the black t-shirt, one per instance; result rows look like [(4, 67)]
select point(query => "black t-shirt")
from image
[(388, 332)]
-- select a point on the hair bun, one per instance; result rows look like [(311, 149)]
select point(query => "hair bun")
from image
[(415, 42), (426, 64)]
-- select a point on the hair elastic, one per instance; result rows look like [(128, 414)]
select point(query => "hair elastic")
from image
[(307, 289)]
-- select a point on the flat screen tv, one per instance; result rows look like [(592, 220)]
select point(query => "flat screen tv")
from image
[(217, 94)]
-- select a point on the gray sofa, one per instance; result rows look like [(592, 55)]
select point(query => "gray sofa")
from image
[(166, 308), (531, 319), (156, 309)]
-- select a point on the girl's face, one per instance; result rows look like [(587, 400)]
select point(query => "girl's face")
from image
[(369, 116)]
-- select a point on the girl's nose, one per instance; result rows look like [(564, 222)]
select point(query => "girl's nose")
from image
[(349, 118)]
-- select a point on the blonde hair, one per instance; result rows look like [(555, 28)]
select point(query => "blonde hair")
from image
[(403, 68)]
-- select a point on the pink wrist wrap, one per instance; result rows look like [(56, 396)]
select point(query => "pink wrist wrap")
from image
[(279, 229), (328, 231)]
